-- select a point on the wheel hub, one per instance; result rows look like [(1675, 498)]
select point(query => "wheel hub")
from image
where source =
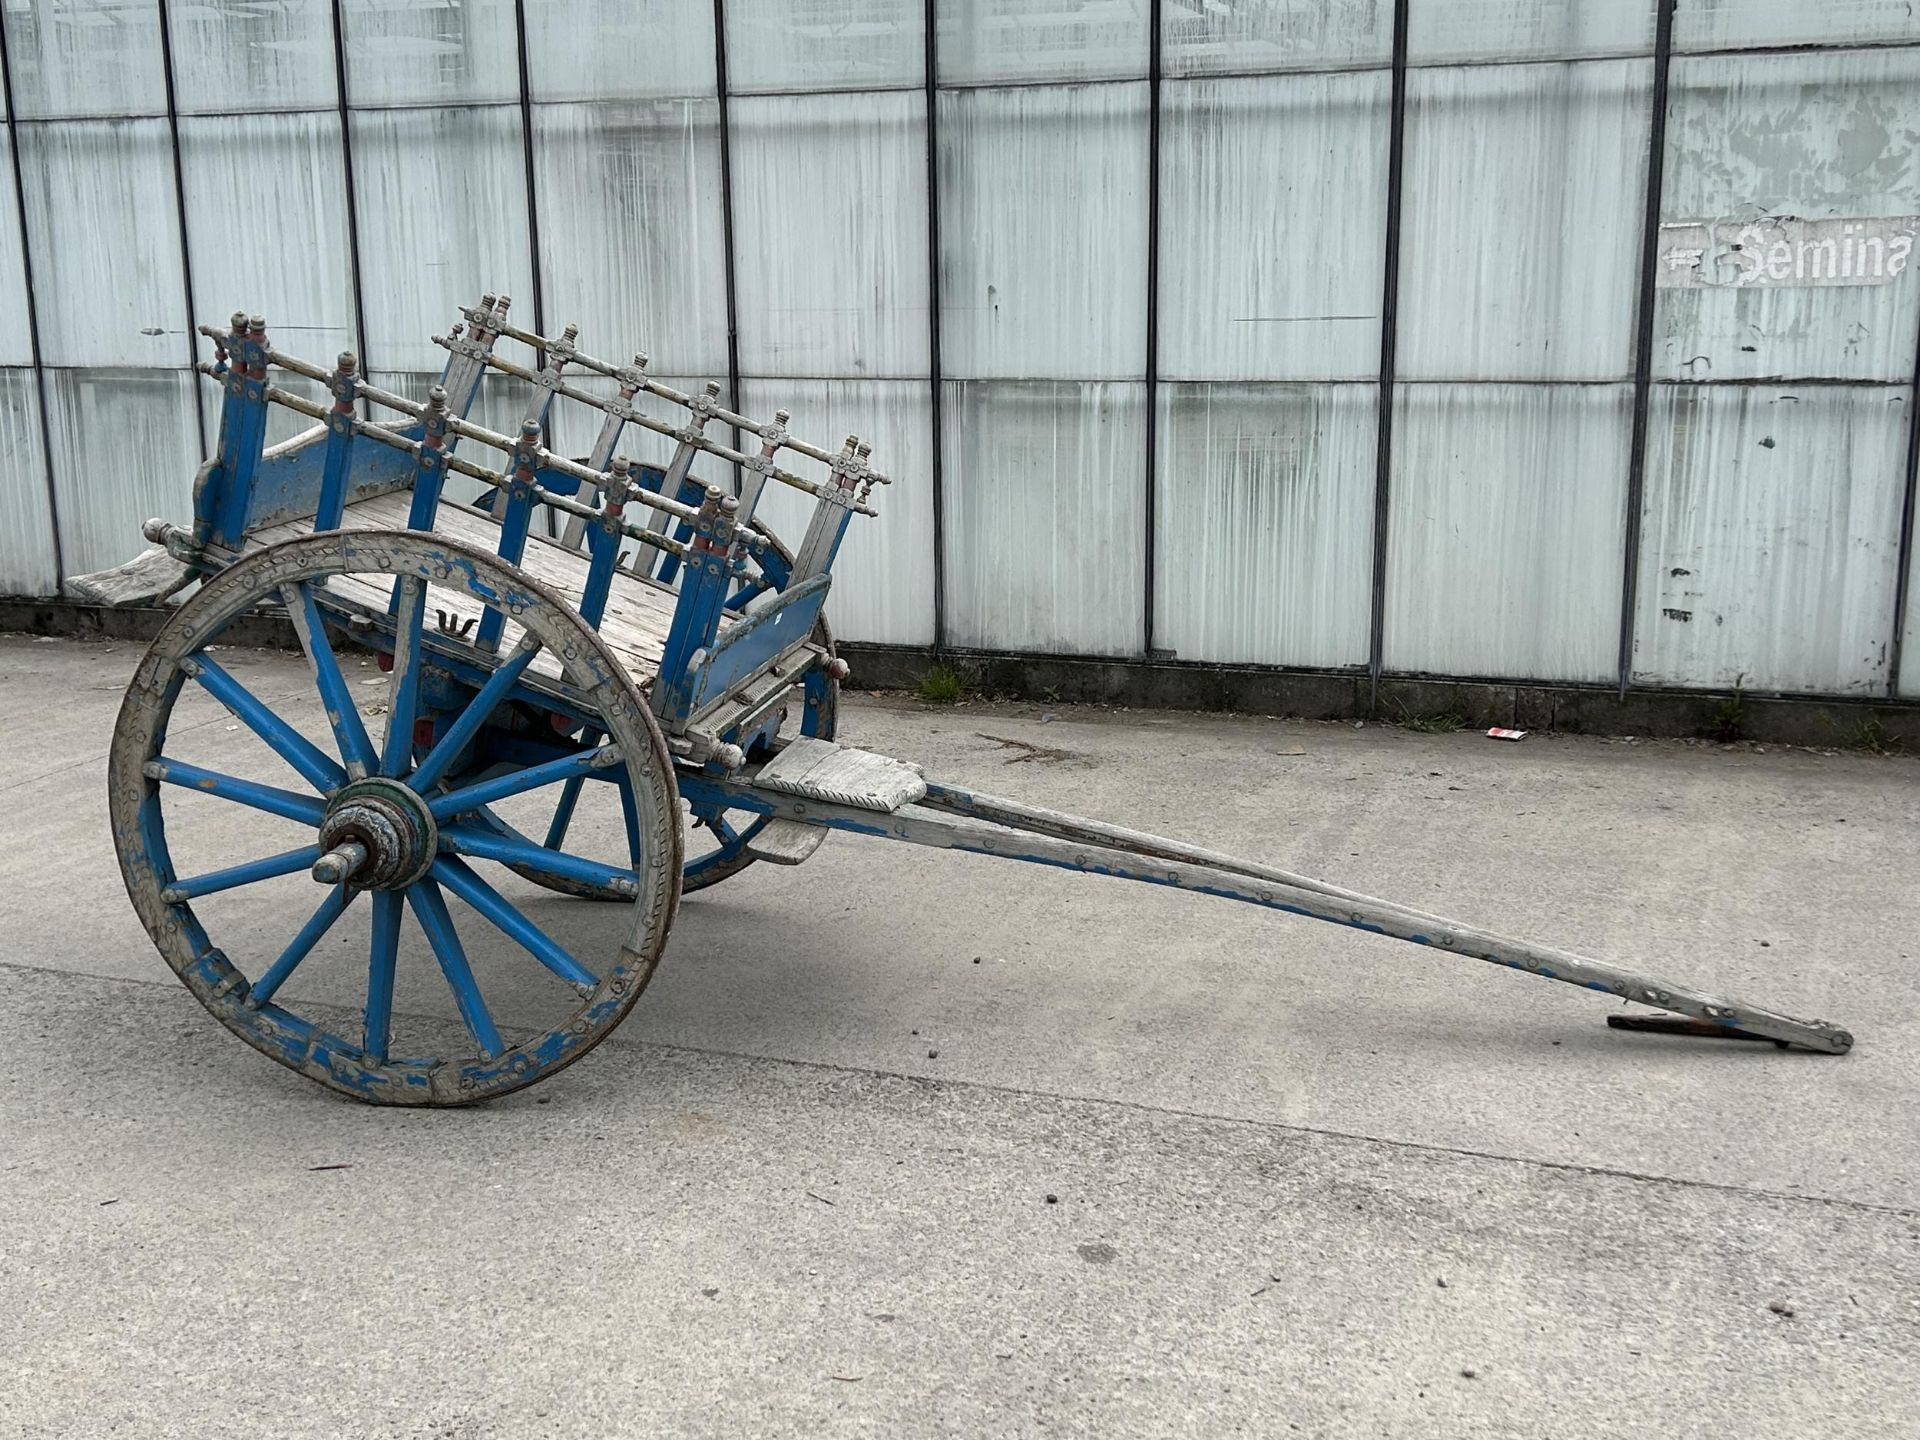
[(378, 835)]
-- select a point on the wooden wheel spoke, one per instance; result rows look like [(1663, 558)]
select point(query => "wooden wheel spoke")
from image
[(459, 877), (234, 876), (403, 703), (349, 732), (460, 734), (307, 809), (430, 909), (509, 850), (317, 769), (381, 963), (331, 909), (471, 797)]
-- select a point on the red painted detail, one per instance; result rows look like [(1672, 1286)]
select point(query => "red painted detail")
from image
[(385, 662), (423, 732)]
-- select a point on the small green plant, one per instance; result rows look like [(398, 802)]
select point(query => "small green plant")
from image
[(1873, 737), (1433, 722), (1727, 721), (941, 685)]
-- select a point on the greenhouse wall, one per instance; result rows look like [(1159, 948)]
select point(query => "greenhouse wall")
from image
[(1559, 341)]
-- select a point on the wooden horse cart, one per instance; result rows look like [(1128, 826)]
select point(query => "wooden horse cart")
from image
[(592, 623)]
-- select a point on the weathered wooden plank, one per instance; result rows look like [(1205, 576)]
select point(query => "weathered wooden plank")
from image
[(821, 770), (785, 842)]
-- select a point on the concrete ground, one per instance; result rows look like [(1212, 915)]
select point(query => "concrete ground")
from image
[(910, 1143)]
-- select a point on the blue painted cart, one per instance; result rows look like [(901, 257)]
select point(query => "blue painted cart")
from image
[(573, 623)]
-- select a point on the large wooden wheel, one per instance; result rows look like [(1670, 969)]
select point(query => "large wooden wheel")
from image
[(402, 824)]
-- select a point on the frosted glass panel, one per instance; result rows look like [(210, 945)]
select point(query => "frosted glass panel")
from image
[(1792, 187), (1273, 216), (431, 52), (630, 220), (883, 578), (825, 44), (1771, 537), (1265, 514), (1472, 30), (1521, 222), (1045, 516), (85, 57), (1715, 24), (103, 224), (982, 41), (288, 167), (1262, 36), (1043, 230), (26, 527), (16, 340), (830, 220), (125, 448), (632, 50), (233, 55), (443, 219), (1506, 542)]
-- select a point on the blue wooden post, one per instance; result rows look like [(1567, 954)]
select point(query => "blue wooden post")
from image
[(515, 523), (243, 429), (829, 525), (430, 466), (333, 475), (603, 543), (696, 619)]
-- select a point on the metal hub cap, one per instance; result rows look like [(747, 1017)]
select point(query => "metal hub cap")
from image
[(378, 835)]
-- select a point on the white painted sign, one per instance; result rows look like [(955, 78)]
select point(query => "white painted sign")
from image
[(1781, 251)]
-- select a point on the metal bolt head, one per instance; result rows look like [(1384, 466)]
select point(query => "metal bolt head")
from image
[(238, 320), (780, 417), (530, 431), (437, 398), (348, 363), (257, 324)]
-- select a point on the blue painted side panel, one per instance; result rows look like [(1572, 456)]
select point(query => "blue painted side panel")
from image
[(759, 639)]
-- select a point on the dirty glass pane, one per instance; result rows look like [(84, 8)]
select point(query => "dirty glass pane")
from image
[(1043, 221), (1273, 207), (883, 578), (983, 41), (26, 529), (1729, 24), (300, 274), (619, 49), (1523, 264), (1265, 515), (85, 57), (430, 52), (825, 44), (125, 447), (1790, 216), (103, 225), (630, 222), (1506, 541), (1439, 31), (830, 224), (231, 55), (1257, 37), (443, 219), (1046, 515), (16, 340), (1769, 547)]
